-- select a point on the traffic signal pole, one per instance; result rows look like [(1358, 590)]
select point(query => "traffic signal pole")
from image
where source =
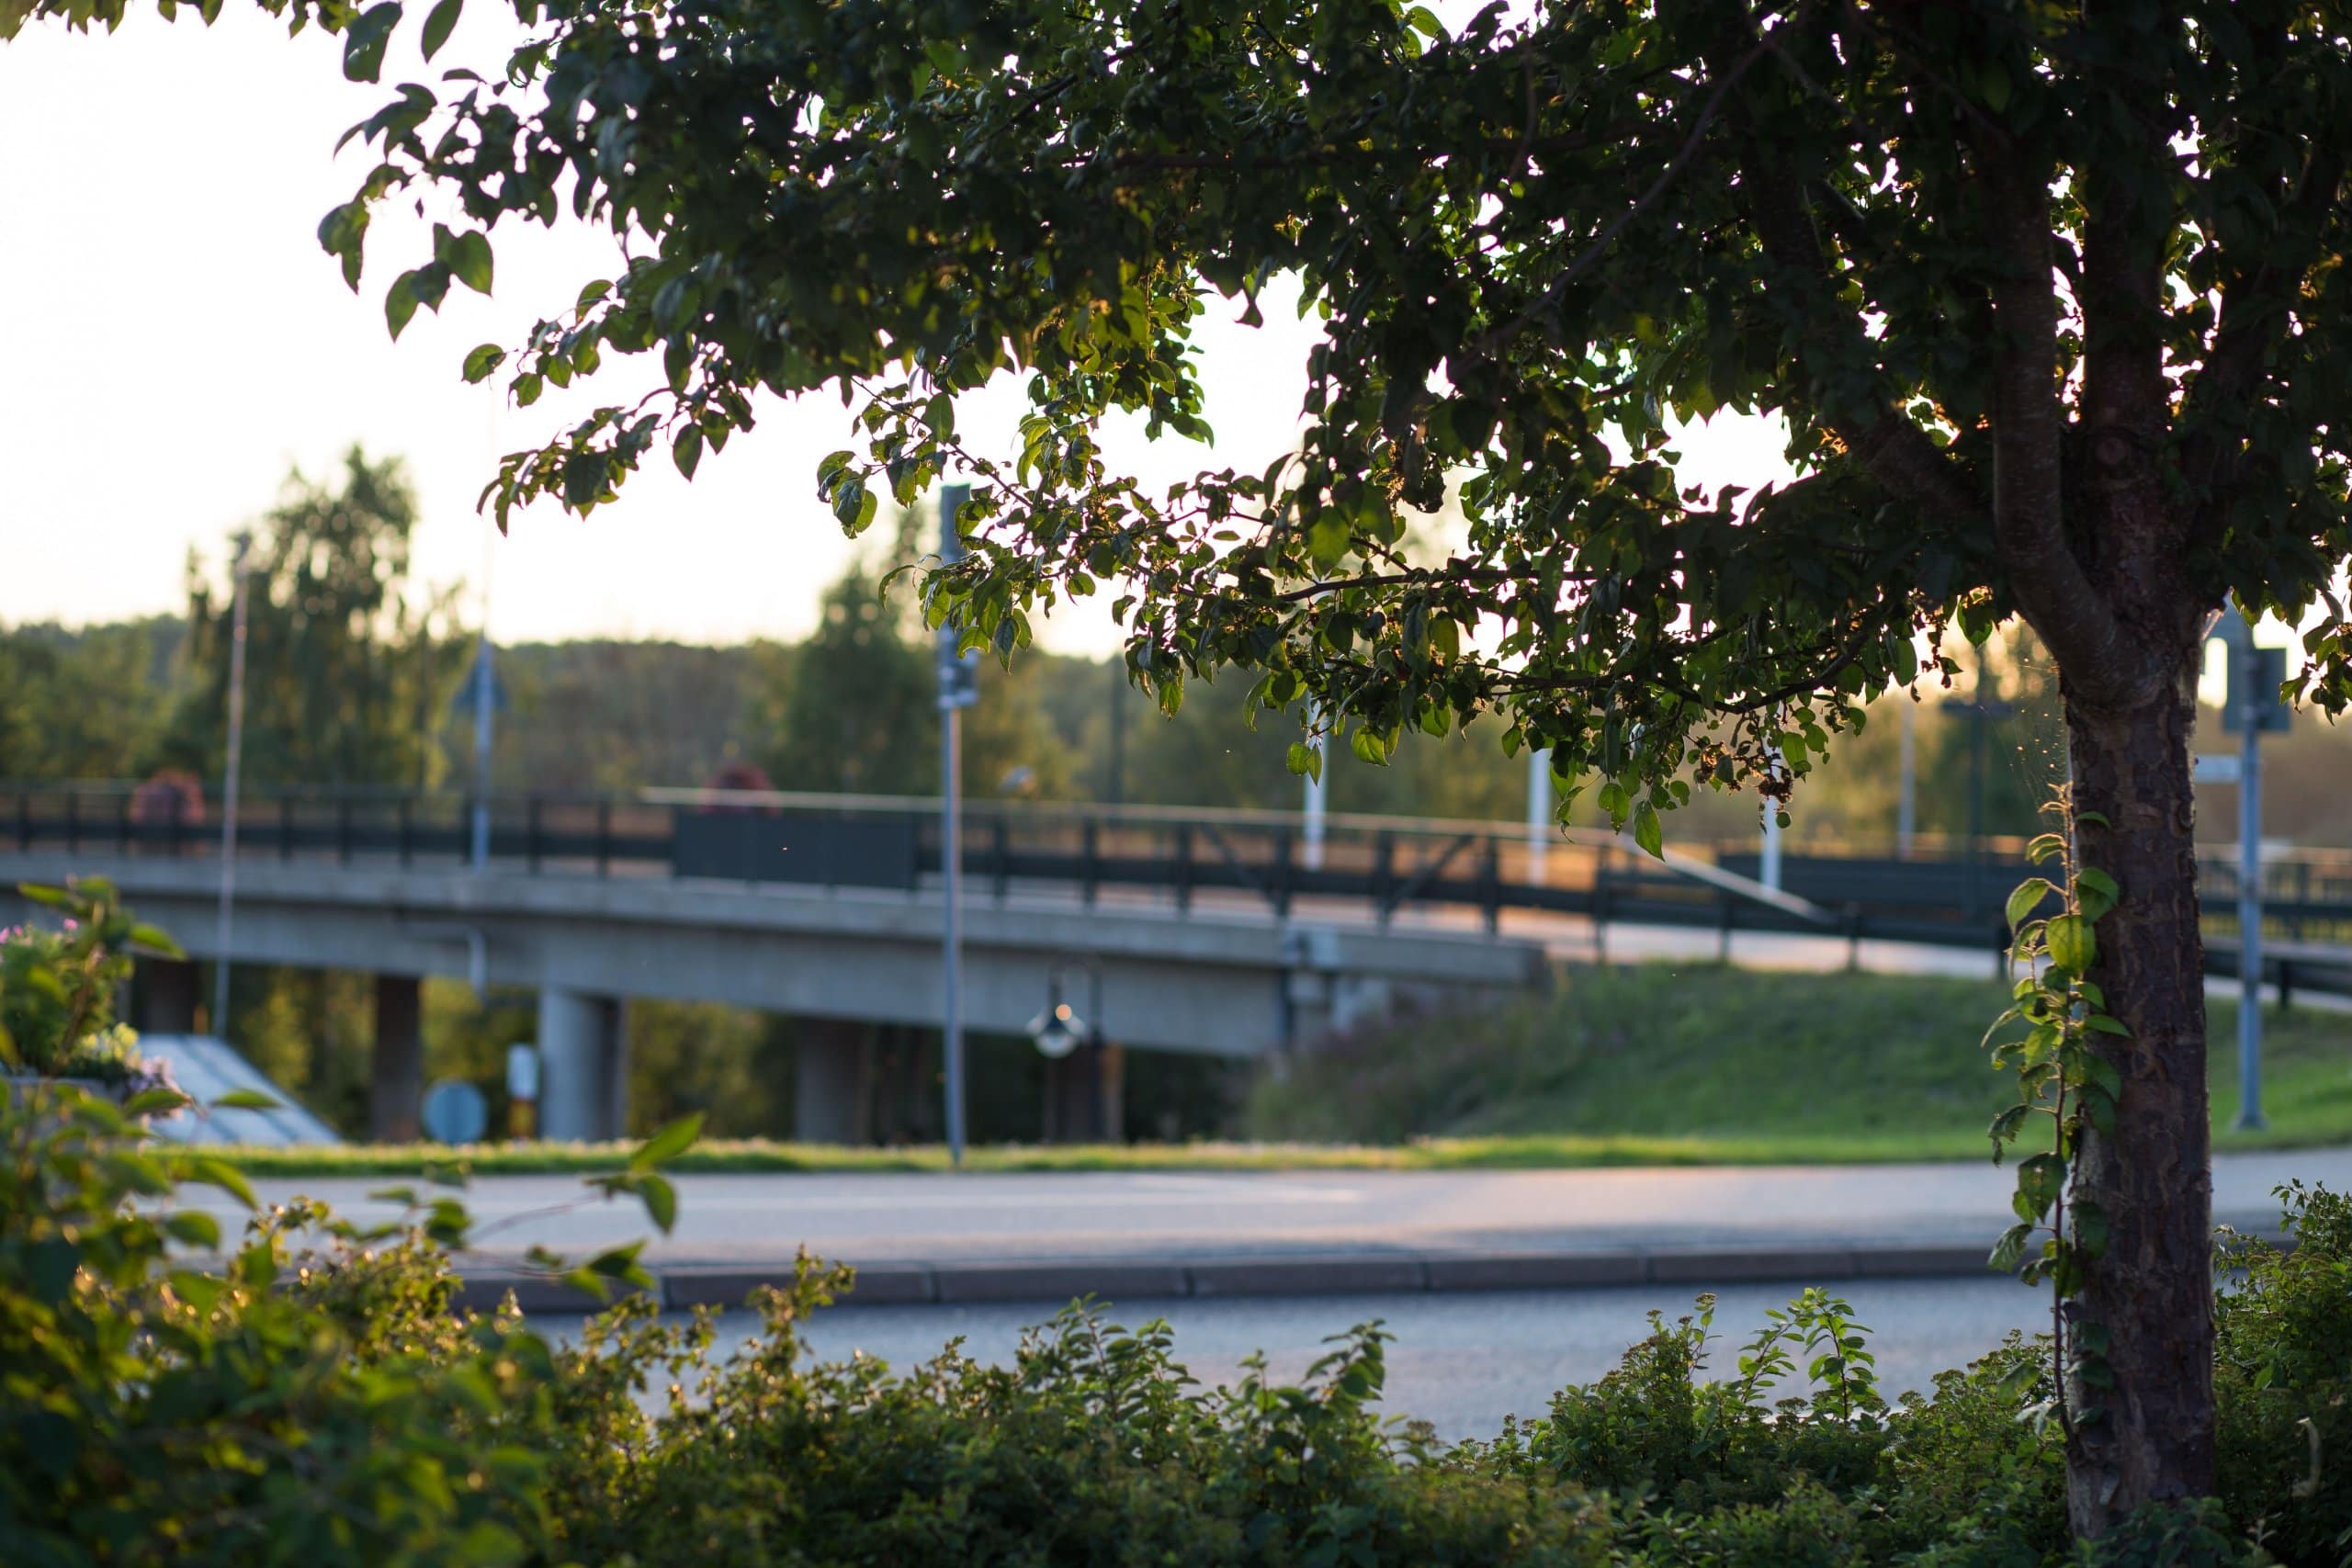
[(2251, 712)]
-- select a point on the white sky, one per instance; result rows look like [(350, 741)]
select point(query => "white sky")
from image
[(173, 340)]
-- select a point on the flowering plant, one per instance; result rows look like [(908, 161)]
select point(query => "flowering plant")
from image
[(58, 987)]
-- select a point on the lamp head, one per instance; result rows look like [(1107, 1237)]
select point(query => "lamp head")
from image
[(1057, 1031)]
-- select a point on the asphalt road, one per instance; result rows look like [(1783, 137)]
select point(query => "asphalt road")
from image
[(1461, 1362), (875, 1218)]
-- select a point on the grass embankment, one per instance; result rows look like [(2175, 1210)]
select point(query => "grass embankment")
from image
[(1658, 1065), (1748, 1066)]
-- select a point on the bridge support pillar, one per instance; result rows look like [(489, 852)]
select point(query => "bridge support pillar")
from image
[(583, 1067), (1084, 1091), (832, 1097), (396, 1091), (163, 996)]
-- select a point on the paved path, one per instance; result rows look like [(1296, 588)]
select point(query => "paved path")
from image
[(1203, 1232)]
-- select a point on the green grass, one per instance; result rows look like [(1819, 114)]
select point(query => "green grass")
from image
[(1674, 1065), (1752, 1065)]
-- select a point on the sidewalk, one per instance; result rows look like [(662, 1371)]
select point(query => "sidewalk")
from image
[(1130, 1236)]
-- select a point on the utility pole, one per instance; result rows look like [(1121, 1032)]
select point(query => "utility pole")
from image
[(1539, 812), (1318, 782), (2251, 707), (2250, 887), (1906, 803), (242, 578), (484, 685), (959, 689), (482, 693), (1981, 712), (1114, 787)]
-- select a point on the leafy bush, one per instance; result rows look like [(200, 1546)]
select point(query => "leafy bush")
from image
[(311, 1393), (57, 989)]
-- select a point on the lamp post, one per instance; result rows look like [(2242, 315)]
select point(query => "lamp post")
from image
[(2251, 707), (1539, 812), (1311, 808), (1980, 712), (1907, 801), (959, 689), (1059, 1033), (242, 578)]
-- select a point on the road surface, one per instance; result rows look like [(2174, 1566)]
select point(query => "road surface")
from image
[(871, 1218)]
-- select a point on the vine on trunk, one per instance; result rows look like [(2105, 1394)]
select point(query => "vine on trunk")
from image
[(2062, 1076)]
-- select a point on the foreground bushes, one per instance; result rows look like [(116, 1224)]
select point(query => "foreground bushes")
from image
[(317, 1399)]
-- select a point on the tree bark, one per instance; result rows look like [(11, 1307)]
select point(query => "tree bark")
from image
[(2148, 1305)]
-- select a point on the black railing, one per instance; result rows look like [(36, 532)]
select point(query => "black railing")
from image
[(1191, 860)]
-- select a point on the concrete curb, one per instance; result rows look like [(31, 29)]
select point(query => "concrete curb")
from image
[(1056, 1281)]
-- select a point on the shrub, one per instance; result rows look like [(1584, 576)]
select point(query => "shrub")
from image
[(313, 1395)]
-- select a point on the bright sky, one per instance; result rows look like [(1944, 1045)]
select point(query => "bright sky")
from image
[(174, 340)]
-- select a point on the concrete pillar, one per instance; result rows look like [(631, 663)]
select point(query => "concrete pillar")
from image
[(832, 1081), (396, 1086), (1084, 1092), (583, 1077), (163, 995)]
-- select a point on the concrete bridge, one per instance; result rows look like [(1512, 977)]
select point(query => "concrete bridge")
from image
[(1226, 932), (1227, 981)]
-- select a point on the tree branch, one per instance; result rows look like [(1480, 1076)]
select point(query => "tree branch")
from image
[(2029, 436)]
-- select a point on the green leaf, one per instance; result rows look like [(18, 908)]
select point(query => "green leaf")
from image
[(2045, 846), (2040, 1179), (685, 449), (2009, 1249), (668, 1144), (364, 41), (2071, 945), (153, 1102), (479, 364), (438, 23), (193, 1227), (1304, 759), (247, 1100), (2027, 898), (1646, 830), (400, 302), (468, 256), (661, 1200), (155, 940), (228, 1177), (619, 1263)]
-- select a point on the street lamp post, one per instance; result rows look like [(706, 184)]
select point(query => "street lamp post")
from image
[(2251, 707), (1539, 812), (242, 578), (1981, 712), (1311, 807), (959, 689)]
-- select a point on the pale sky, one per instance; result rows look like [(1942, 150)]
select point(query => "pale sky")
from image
[(173, 340)]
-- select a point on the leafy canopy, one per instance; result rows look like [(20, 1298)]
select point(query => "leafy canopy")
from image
[(1534, 245)]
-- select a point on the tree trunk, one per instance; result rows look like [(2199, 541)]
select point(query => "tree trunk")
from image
[(2148, 1305)]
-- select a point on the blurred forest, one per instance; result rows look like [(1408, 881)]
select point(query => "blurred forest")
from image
[(354, 670)]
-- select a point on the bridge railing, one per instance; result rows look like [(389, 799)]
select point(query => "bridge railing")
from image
[(1190, 859)]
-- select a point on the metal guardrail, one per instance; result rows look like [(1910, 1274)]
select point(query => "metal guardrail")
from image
[(1181, 858)]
